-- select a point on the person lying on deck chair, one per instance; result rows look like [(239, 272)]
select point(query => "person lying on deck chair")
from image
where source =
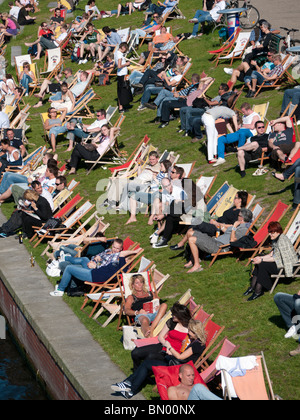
[(97, 270)]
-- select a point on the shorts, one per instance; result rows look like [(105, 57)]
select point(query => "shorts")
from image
[(150, 317), (253, 155)]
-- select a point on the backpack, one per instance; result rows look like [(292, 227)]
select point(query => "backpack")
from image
[(75, 54)]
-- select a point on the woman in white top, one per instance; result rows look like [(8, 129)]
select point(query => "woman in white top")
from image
[(124, 92), (11, 156), (93, 150)]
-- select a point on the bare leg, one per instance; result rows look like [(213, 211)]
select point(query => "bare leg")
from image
[(132, 206), (161, 312), (195, 254)]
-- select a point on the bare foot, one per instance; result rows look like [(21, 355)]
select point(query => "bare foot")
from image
[(72, 171), (188, 265), (195, 269), (131, 220)]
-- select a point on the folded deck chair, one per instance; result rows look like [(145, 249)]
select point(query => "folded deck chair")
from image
[(81, 108)]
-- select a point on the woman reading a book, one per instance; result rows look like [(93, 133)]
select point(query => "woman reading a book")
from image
[(144, 305)]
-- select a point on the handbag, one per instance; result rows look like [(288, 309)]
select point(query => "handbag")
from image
[(129, 335), (90, 146)]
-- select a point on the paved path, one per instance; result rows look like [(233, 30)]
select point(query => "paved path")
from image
[(280, 13), (65, 337)]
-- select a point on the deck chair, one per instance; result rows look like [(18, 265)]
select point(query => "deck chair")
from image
[(257, 211), (214, 200), (292, 231), (278, 82), (110, 112), (251, 386), (52, 63), (227, 46), (209, 371), (239, 48), (167, 376), (81, 108), (261, 109), (68, 224), (213, 332), (225, 202), (260, 237), (205, 184), (19, 61), (98, 290), (132, 159), (188, 168), (111, 147)]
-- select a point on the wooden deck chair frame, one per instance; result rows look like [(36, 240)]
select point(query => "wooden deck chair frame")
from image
[(205, 184), (132, 159), (277, 83), (295, 241), (268, 218), (114, 308), (227, 47), (69, 223), (222, 250), (238, 49), (81, 108), (111, 283), (208, 372), (217, 330)]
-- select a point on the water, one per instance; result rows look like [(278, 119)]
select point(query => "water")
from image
[(16, 379)]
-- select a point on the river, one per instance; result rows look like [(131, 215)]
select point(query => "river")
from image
[(16, 379)]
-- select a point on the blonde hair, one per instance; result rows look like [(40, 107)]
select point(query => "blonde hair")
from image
[(197, 328), (31, 195), (133, 279)]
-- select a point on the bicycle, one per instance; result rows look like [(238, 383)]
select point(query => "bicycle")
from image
[(250, 17), (289, 41)]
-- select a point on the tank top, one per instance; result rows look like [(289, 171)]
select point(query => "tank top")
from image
[(138, 302)]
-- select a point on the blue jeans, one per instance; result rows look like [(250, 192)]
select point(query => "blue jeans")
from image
[(239, 136), (150, 90), (187, 114), (139, 376), (163, 95), (290, 95), (77, 269), (288, 308), (195, 124), (200, 392), (58, 130), (255, 75), (10, 178), (294, 169), (202, 16), (26, 80)]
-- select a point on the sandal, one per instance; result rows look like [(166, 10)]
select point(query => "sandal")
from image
[(275, 176)]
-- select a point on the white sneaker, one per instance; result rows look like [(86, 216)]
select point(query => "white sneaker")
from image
[(84, 61), (141, 108), (154, 238), (219, 161), (56, 292), (192, 36), (291, 332), (228, 70)]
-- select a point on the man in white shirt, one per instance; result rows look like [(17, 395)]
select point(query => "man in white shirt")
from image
[(14, 10), (86, 130), (204, 15)]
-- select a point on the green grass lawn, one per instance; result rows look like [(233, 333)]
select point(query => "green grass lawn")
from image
[(255, 326)]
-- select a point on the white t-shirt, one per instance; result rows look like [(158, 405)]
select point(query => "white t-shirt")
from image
[(14, 12), (247, 119), (97, 124), (214, 11), (120, 56)]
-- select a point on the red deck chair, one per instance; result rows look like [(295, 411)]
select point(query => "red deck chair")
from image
[(227, 46), (213, 331), (209, 372), (261, 235)]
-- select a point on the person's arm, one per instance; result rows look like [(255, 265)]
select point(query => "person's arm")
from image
[(286, 120), (125, 254), (180, 356), (162, 335), (264, 258)]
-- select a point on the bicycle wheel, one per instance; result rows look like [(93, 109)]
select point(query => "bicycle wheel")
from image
[(249, 19)]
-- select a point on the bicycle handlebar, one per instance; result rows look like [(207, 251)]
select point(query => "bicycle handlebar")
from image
[(289, 30)]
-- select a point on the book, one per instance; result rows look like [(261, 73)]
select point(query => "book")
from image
[(151, 307)]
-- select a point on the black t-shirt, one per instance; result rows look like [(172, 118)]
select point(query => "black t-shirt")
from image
[(261, 140), (229, 216)]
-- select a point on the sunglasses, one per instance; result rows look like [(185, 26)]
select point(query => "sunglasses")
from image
[(57, 184), (262, 126)]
